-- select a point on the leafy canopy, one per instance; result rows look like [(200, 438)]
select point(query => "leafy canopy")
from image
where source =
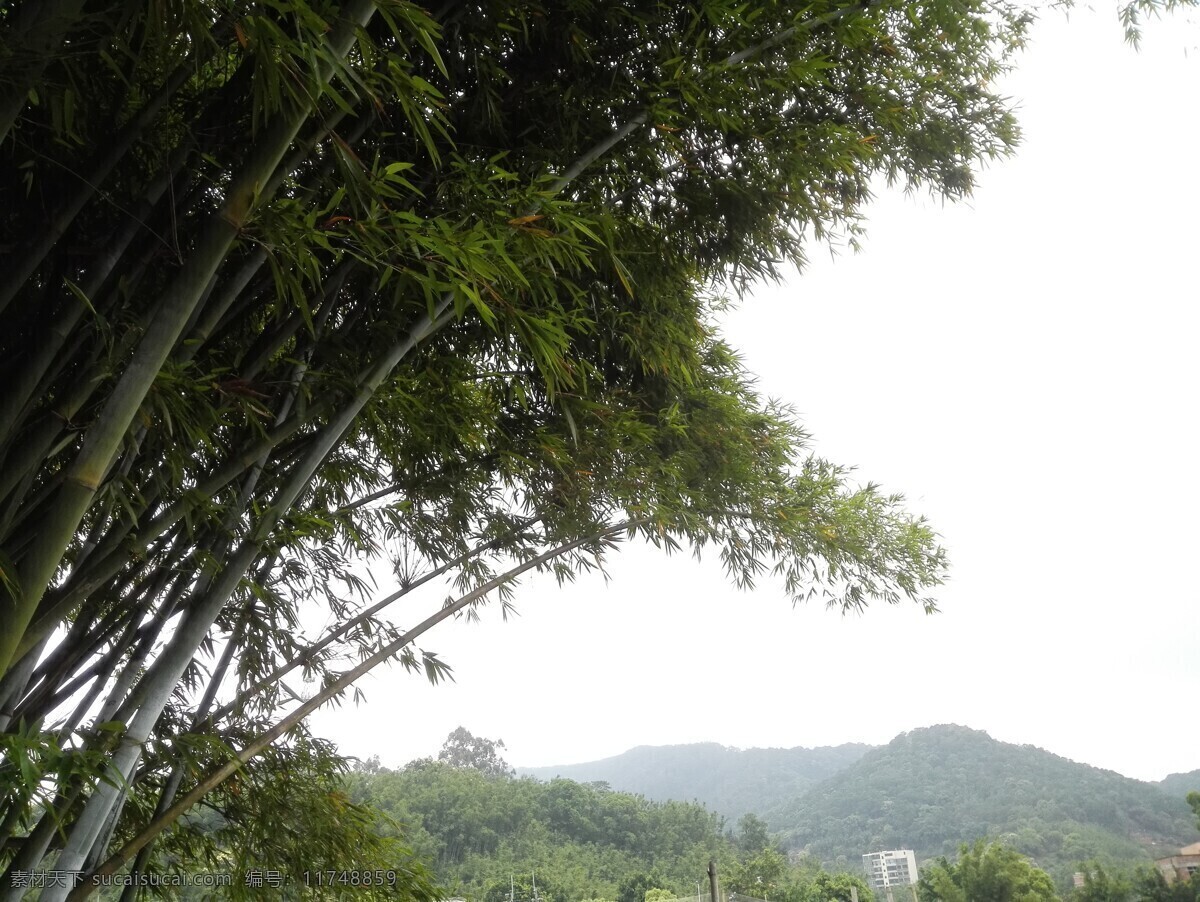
[(462, 749), (985, 871)]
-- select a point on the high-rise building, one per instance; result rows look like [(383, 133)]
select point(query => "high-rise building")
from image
[(896, 867)]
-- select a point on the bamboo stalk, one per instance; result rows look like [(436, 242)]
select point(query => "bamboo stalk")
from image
[(55, 530), (155, 690), (171, 787), (150, 695)]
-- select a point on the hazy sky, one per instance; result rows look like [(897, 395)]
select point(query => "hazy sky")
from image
[(1024, 369)]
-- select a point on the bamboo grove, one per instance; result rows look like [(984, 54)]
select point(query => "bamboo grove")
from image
[(293, 292)]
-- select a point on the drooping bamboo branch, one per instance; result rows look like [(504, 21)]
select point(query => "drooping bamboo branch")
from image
[(309, 652), (347, 679)]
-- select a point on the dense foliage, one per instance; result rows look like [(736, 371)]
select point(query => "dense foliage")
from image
[(1142, 885), (584, 840), (489, 835), (1181, 784), (985, 871), (1152, 886), (1100, 885)]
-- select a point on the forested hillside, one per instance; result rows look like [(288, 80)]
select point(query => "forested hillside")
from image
[(487, 832), (582, 840), (932, 789), (732, 782)]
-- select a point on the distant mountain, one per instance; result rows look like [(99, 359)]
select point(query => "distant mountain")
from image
[(932, 789), (929, 790), (732, 782), (1179, 785)]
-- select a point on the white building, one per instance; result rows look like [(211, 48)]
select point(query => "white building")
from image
[(896, 867)]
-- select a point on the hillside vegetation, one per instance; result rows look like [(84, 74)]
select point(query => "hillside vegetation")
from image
[(732, 782), (932, 789), (1179, 785), (583, 841)]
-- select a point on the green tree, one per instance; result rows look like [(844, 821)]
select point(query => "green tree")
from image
[(826, 887), (1193, 799), (753, 835), (461, 749), (635, 887), (371, 765), (985, 871), (1100, 886), (760, 875)]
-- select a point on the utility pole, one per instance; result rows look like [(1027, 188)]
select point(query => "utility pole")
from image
[(712, 882)]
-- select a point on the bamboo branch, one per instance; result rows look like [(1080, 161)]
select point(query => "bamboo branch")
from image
[(311, 651), (299, 713), (618, 135)]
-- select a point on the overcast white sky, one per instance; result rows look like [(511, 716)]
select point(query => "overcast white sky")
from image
[(1024, 368)]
